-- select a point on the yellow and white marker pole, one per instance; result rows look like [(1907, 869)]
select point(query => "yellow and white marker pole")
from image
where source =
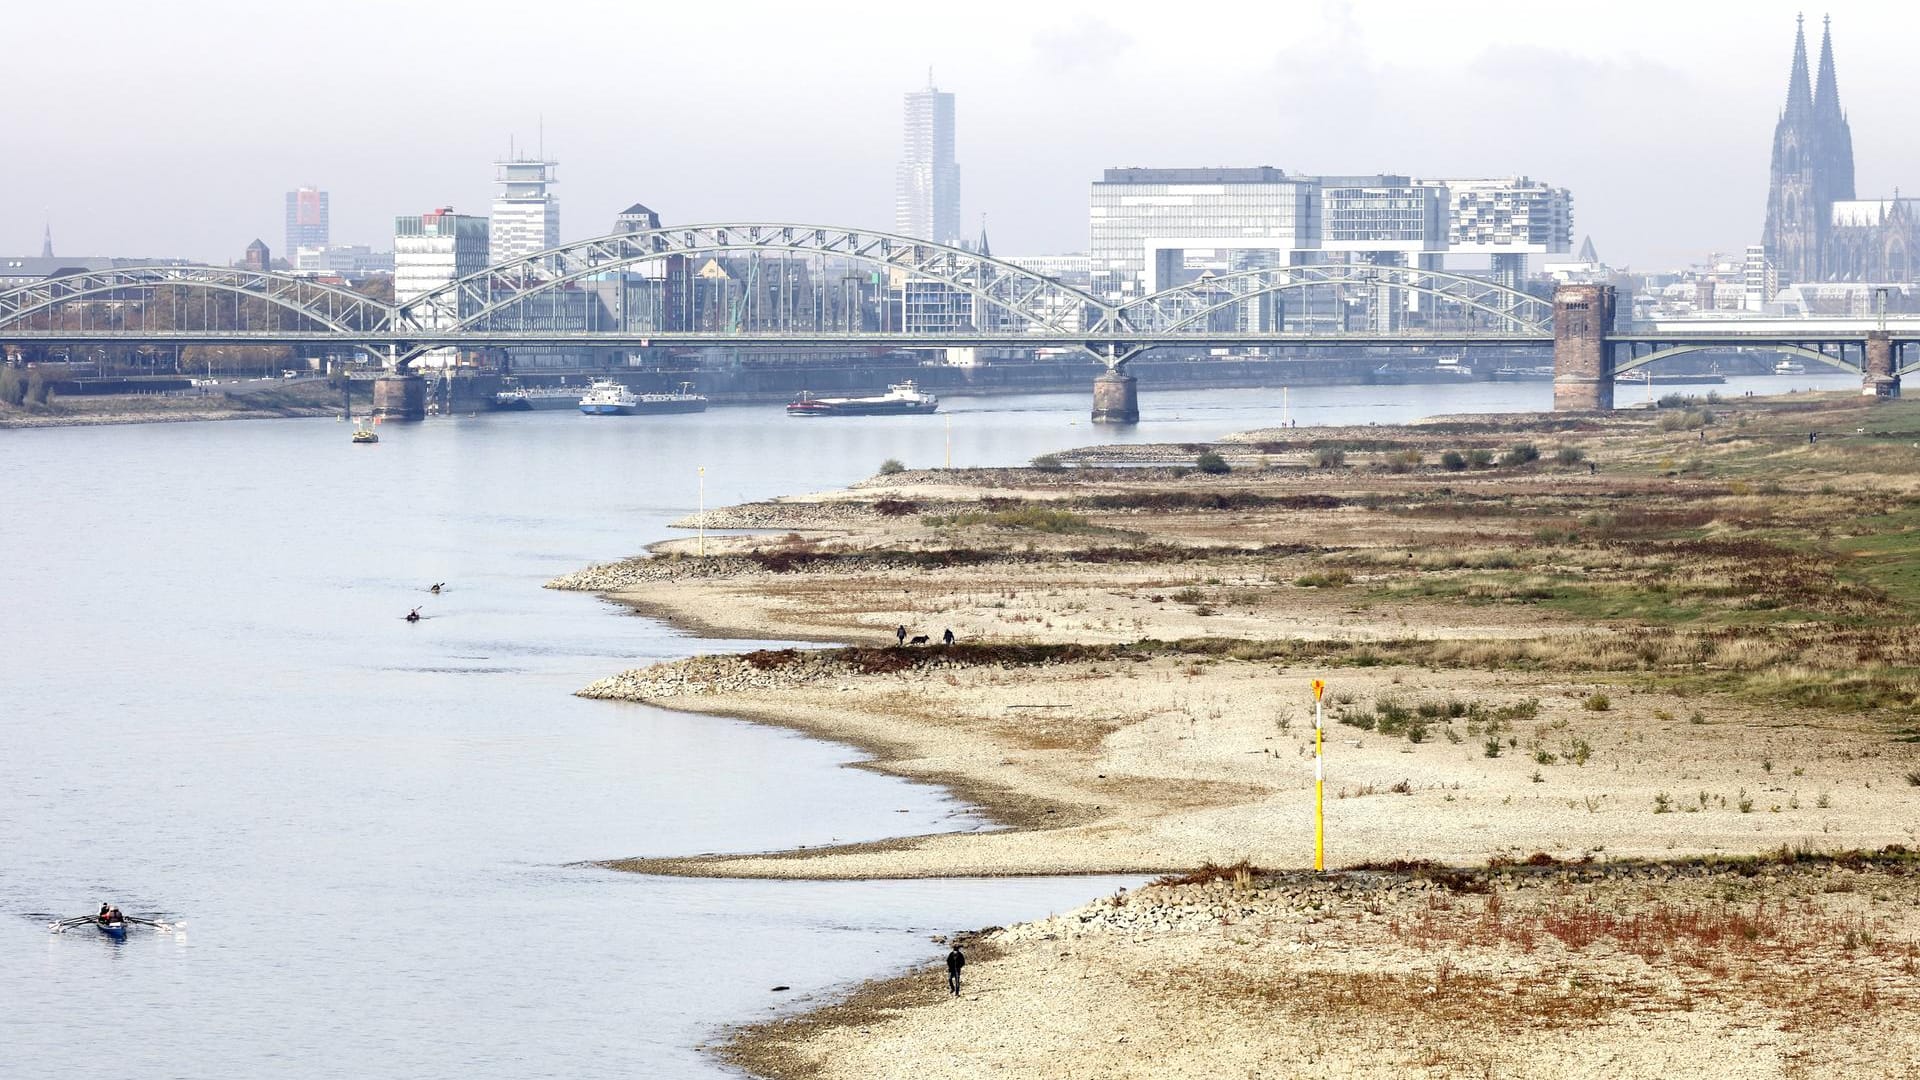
[(1319, 783)]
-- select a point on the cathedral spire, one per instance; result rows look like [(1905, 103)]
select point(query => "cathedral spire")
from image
[(1799, 86), (1826, 88), (1831, 128), (46, 242)]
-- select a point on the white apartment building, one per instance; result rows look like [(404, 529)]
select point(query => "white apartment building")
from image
[(526, 216)]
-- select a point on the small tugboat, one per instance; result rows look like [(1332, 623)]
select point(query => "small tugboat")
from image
[(900, 399), (608, 397), (364, 434)]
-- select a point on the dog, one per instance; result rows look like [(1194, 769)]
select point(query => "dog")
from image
[(921, 640)]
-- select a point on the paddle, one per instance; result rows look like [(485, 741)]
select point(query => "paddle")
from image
[(163, 927)]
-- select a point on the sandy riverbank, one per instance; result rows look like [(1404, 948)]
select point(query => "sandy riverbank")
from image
[(1676, 634)]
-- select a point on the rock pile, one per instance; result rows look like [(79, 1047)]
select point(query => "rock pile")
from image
[(713, 675)]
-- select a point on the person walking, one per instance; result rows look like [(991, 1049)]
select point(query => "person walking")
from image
[(955, 961), (948, 636), (900, 634)]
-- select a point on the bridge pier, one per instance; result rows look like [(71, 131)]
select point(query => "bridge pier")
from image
[(1879, 380), (400, 397), (1582, 359), (1116, 398)]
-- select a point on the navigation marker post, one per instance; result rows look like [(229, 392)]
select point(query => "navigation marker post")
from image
[(703, 511), (1319, 783)]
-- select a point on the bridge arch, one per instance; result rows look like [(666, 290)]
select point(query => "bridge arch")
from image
[(328, 306), (1033, 299), (1677, 350), (1185, 306)]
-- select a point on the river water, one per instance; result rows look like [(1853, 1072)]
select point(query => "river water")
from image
[(214, 711)]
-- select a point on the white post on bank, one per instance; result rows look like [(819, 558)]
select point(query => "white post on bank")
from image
[(1319, 782)]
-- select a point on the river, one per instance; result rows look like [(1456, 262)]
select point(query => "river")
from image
[(214, 711)]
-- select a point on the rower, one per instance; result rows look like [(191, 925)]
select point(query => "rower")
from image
[(106, 910)]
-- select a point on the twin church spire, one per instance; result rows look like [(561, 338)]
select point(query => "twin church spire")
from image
[(1812, 162)]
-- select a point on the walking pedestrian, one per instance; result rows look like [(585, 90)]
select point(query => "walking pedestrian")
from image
[(900, 635), (955, 961), (948, 636)]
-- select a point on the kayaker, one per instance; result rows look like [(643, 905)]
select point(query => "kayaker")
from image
[(414, 615)]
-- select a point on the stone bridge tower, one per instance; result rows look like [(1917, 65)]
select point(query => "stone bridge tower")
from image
[(1582, 359)]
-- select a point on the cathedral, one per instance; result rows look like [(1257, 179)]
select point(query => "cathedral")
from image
[(1816, 230)]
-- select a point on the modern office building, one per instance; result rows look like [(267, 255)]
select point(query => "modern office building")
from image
[(1156, 228), (927, 195), (307, 222), (526, 216), (350, 261), (431, 250), (434, 248), (1153, 228)]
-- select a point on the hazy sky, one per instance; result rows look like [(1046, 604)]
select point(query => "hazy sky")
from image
[(143, 128)]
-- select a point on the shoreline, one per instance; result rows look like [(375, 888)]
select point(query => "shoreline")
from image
[(1135, 715)]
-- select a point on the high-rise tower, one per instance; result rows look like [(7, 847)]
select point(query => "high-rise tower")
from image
[(307, 221), (526, 216), (1812, 166), (927, 200)]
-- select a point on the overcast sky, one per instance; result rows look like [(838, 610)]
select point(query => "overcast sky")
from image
[(143, 128)]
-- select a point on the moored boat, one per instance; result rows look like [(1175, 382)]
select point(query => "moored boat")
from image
[(528, 398), (900, 399), (1789, 367), (363, 435), (1510, 373), (608, 397), (682, 400)]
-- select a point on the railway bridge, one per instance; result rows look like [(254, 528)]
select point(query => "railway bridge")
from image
[(789, 285)]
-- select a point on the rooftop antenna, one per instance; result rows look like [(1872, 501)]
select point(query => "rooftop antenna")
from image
[(543, 137), (930, 85)]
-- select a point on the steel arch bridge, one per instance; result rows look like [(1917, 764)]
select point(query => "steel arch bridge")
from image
[(1014, 293), (327, 306), (1010, 305), (1190, 306)]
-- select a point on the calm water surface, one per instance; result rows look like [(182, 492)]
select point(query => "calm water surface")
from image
[(213, 710)]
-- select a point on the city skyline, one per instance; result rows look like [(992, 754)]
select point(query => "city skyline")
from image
[(1669, 161)]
